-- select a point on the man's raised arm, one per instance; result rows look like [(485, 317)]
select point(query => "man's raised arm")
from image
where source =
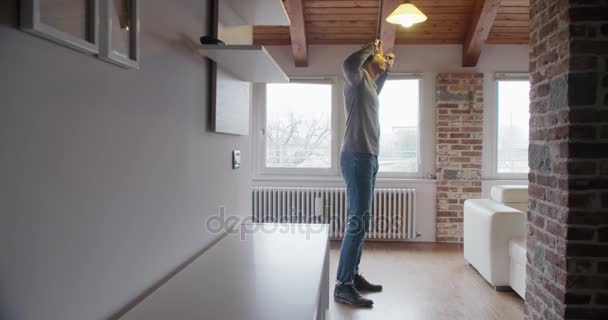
[(380, 82), (352, 65), (390, 60)]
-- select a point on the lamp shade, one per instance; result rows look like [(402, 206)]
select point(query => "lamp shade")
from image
[(406, 15)]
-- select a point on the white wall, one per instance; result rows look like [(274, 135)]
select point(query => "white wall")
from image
[(108, 175), (327, 60), (235, 34)]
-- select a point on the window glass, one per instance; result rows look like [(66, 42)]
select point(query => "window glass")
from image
[(399, 103), (298, 125), (513, 126)]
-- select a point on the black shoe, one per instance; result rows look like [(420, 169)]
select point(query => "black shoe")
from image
[(364, 286), (347, 294)]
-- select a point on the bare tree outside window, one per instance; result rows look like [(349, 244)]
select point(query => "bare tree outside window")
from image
[(298, 125)]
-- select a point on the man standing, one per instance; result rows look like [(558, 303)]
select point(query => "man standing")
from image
[(365, 71)]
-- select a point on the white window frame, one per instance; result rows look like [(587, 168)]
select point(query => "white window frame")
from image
[(259, 136), (419, 150), (426, 136), (490, 126)]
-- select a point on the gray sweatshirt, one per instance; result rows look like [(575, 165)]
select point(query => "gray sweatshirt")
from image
[(361, 104)]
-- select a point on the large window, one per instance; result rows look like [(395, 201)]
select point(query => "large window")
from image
[(298, 125), (513, 126), (300, 128), (399, 105)]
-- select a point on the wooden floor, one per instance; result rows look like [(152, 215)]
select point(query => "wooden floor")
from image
[(425, 282)]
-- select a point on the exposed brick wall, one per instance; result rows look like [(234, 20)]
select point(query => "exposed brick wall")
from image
[(567, 272), (459, 147), (587, 245), (547, 216)]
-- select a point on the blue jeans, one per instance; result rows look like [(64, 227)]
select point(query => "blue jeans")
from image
[(359, 171)]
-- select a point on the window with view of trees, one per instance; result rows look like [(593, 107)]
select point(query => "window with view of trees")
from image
[(513, 126), (298, 125), (399, 102)]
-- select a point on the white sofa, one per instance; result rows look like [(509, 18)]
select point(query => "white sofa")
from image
[(517, 268), (514, 196), (494, 233)]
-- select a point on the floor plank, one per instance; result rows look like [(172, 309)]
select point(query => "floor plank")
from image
[(425, 281)]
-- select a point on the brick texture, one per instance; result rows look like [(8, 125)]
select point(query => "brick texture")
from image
[(567, 273), (459, 147)]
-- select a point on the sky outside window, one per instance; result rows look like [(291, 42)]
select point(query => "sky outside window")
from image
[(513, 126), (399, 104)]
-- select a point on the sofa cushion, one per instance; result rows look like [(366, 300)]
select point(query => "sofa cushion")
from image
[(510, 193), (521, 206), (487, 207)]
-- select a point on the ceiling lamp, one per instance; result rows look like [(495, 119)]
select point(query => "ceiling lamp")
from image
[(406, 15)]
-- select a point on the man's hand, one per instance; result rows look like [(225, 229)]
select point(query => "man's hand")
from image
[(377, 46), (390, 59)]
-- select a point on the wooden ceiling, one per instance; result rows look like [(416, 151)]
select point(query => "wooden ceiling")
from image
[(355, 22)]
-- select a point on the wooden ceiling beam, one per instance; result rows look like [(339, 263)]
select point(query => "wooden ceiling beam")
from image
[(387, 31), (297, 31), (483, 18)]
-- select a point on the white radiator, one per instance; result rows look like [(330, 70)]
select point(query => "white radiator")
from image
[(392, 215)]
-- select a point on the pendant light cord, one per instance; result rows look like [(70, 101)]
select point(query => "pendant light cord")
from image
[(379, 19)]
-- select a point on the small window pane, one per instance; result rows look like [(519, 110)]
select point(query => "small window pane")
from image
[(399, 102), (69, 16), (513, 126), (121, 27), (298, 125)]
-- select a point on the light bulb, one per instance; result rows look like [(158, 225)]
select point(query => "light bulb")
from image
[(407, 24)]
